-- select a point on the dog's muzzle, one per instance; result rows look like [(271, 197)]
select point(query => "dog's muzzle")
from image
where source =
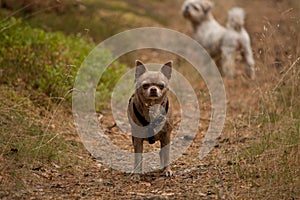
[(153, 92)]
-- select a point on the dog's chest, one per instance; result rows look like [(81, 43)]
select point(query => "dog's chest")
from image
[(209, 35), (155, 120)]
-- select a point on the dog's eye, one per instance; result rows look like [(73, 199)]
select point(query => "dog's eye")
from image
[(196, 7), (146, 86), (161, 86)]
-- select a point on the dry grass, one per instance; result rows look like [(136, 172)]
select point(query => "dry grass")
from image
[(29, 143), (269, 164)]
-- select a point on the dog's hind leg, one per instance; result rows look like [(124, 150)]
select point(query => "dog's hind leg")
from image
[(248, 55)]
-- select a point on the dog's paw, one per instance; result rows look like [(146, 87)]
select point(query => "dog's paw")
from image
[(136, 177), (252, 75), (168, 172)]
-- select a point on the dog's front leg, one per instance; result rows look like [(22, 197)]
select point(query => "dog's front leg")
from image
[(138, 157), (165, 156)]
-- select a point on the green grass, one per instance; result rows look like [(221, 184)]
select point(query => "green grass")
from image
[(46, 62), (43, 61)]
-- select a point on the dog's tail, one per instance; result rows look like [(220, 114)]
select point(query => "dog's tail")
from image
[(236, 19)]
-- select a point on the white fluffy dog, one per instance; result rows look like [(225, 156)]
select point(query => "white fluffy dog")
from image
[(220, 42)]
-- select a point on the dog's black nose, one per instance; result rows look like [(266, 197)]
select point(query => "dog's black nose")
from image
[(186, 12), (153, 90), (186, 9)]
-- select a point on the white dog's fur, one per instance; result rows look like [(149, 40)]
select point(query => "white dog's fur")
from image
[(220, 42)]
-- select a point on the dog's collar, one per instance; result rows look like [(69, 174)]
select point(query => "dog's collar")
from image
[(151, 125)]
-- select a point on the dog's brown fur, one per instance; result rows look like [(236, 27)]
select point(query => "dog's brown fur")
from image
[(140, 105)]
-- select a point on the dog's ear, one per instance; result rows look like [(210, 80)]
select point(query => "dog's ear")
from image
[(166, 69), (206, 6), (139, 69)]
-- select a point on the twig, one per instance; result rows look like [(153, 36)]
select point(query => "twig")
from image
[(285, 74), (17, 11), (50, 121)]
